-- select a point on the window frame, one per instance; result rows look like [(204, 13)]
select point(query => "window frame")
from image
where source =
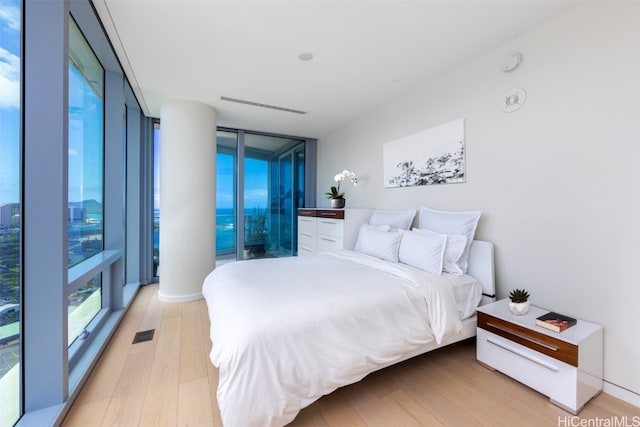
[(85, 270), (19, 235), (52, 371)]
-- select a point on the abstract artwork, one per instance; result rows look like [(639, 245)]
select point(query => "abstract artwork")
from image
[(432, 156)]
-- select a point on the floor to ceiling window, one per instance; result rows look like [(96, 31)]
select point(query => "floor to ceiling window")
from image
[(63, 205), (10, 222), (156, 198), (85, 175)]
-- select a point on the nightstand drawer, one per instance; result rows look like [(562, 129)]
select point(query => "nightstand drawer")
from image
[(307, 241), (306, 250), (330, 213), (307, 225), (330, 227), (549, 376), (552, 347), (328, 243), (309, 213)]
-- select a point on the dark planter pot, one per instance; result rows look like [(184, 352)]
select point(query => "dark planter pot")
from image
[(257, 249), (337, 203)]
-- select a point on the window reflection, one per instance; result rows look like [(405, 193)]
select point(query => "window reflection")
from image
[(86, 117)]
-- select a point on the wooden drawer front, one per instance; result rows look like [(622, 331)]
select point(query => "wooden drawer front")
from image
[(542, 343), (330, 213), (330, 227), (307, 212)]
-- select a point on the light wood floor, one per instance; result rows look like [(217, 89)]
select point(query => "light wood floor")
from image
[(169, 381)]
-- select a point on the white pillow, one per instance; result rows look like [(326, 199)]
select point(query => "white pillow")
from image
[(368, 227), (456, 244), (423, 251), (464, 223), (381, 244), (394, 219)]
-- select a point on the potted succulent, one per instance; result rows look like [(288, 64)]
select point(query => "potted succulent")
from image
[(519, 302), (335, 195)]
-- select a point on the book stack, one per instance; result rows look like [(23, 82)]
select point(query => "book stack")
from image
[(555, 322)]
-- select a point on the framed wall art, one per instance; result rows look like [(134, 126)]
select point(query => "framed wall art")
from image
[(432, 156)]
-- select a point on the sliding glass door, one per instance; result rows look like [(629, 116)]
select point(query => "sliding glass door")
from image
[(271, 194), (290, 196), (285, 202), (226, 195), (267, 172)]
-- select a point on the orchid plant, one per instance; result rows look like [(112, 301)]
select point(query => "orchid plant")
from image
[(335, 192)]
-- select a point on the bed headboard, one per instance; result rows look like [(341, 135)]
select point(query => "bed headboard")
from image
[(481, 266)]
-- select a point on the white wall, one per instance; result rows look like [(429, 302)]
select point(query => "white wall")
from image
[(557, 181)]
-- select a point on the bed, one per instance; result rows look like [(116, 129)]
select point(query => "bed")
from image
[(287, 331)]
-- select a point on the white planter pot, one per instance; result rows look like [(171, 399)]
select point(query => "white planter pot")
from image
[(519, 308)]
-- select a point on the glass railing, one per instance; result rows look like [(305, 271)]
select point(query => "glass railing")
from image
[(226, 233), (258, 241)]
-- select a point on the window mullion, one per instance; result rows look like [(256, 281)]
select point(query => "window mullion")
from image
[(45, 196)]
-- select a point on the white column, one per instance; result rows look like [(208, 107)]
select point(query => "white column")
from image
[(187, 199)]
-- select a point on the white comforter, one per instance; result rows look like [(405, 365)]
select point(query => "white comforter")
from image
[(287, 331)]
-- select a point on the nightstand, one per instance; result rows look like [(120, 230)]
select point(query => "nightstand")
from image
[(329, 229), (566, 366)]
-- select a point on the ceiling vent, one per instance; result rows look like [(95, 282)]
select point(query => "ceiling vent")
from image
[(257, 104)]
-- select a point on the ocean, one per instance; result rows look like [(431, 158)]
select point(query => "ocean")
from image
[(225, 228)]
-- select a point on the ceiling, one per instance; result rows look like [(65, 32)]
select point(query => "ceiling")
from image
[(365, 53)]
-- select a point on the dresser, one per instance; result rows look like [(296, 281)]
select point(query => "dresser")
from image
[(329, 229), (566, 366)]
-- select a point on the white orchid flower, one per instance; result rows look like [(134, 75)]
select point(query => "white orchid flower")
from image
[(339, 178)]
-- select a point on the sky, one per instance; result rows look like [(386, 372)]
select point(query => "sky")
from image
[(9, 101), (85, 120), (85, 160)]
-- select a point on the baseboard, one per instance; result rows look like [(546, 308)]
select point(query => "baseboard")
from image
[(180, 298), (622, 393)]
